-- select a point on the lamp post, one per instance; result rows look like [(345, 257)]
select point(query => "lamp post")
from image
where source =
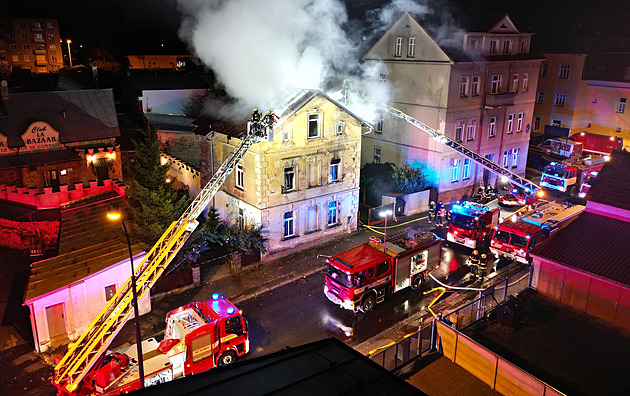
[(385, 213), (113, 215), (69, 53)]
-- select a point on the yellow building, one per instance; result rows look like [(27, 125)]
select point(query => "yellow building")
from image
[(302, 184), (33, 44), (585, 92)]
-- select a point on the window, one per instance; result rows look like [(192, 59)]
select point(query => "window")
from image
[(559, 99), (289, 179), (474, 86), (22, 25), (556, 123), (506, 158), (13, 46), (24, 36), (525, 82), (51, 37), (333, 210), (466, 170), (398, 46), (240, 218), (377, 155), (519, 122), (110, 291), (510, 123), (515, 157), (523, 48), (455, 170), (379, 125), (470, 132), (543, 70), (459, 129), (3, 58), (53, 47), (334, 170), (411, 49), (493, 47), (286, 135), (340, 128), (515, 83), (506, 46), (40, 47), (382, 77), (53, 58), (15, 58), (239, 176), (492, 128), (49, 26), (311, 218), (536, 124), (27, 58), (563, 71), (539, 97), (463, 87), (474, 44), (38, 36), (288, 226), (313, 125), (496, 84), (621, 107), (26, 46), (313, 174), (382, 268), (233, 326), (37, 25)]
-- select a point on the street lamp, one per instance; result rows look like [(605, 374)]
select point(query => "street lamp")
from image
[(385, 213), (69, 53), (116, 216)]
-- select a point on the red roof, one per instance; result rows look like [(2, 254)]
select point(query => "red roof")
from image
[(359, 258)]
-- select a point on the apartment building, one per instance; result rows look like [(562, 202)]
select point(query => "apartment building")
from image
[(475, 84), (33, 44)]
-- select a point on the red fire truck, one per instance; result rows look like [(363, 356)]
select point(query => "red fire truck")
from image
[(362, 276), (516, 236), (198, 337), (471, 223), (569, 177), (598, 144)]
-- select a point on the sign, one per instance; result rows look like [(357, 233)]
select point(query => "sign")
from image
[(40, 135), (4, 146)]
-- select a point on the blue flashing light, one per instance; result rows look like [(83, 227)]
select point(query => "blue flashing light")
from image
[(594, 173), (215, 296), (230, 310), (457, 207), (552, 163)]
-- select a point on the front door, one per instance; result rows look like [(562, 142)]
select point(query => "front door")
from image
[(54, 180), (55, 315), (102, 171)]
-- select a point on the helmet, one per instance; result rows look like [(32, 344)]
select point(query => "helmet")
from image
[(255, 109), (475, 252), (268, 111), (483, 256)]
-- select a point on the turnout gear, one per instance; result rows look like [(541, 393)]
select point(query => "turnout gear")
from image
[(432, 211), (256, 116), (441, 213), (474, 260)]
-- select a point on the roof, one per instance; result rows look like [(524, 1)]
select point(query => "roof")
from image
[(606, 67), (591, 243), (143, 81), (77, 115), (325, 367), (37, 158), (360, 257), (88, 243), (170, 122), (612, 184)]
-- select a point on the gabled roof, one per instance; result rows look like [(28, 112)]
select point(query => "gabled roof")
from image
[(77, 115), (88, 243), (593, 244), (612, 185)]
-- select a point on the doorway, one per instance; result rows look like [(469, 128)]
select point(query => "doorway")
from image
[(55, 316), (54, 179)]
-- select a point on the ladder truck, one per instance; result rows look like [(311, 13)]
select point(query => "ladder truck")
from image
[(88, 350)]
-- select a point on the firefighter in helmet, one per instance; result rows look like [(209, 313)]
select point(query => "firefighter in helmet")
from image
[(483, 266), (431, 211), (269, 118), (256, 116), (474, 262)]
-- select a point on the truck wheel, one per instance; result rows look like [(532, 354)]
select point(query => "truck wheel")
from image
[(368, 303), (416, 282), (573, 191), (227, 358)]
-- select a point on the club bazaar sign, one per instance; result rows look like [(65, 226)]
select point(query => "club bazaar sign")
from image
[(39, 135)]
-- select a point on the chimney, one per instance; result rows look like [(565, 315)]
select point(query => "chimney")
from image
[(4, 89)]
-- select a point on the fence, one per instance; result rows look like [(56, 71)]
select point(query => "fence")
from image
[(172, 281), (374, 214)]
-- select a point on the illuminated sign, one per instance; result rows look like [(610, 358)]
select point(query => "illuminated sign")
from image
[(40, 135), (4, 146)]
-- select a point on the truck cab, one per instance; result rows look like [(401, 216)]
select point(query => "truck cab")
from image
[(471, 223)]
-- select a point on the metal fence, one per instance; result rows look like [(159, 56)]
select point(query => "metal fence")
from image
[(415, 345)]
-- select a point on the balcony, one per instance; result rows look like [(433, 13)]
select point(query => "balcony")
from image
[(501, 99)]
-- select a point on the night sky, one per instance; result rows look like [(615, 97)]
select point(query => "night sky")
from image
[(136, 26)]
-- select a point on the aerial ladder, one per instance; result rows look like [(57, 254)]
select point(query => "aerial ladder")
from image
[(85, 351), (527, 185)]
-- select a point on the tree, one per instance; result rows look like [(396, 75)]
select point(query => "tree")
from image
[(152, 205), (407, 179)]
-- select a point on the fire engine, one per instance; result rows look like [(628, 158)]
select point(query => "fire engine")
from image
[(362, 276), (471, 223), (515, 237), (198, 337), (569, 177), (598, 144)]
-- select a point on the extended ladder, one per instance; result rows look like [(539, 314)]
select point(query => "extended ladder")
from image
[(85, 352), (529, 186)]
